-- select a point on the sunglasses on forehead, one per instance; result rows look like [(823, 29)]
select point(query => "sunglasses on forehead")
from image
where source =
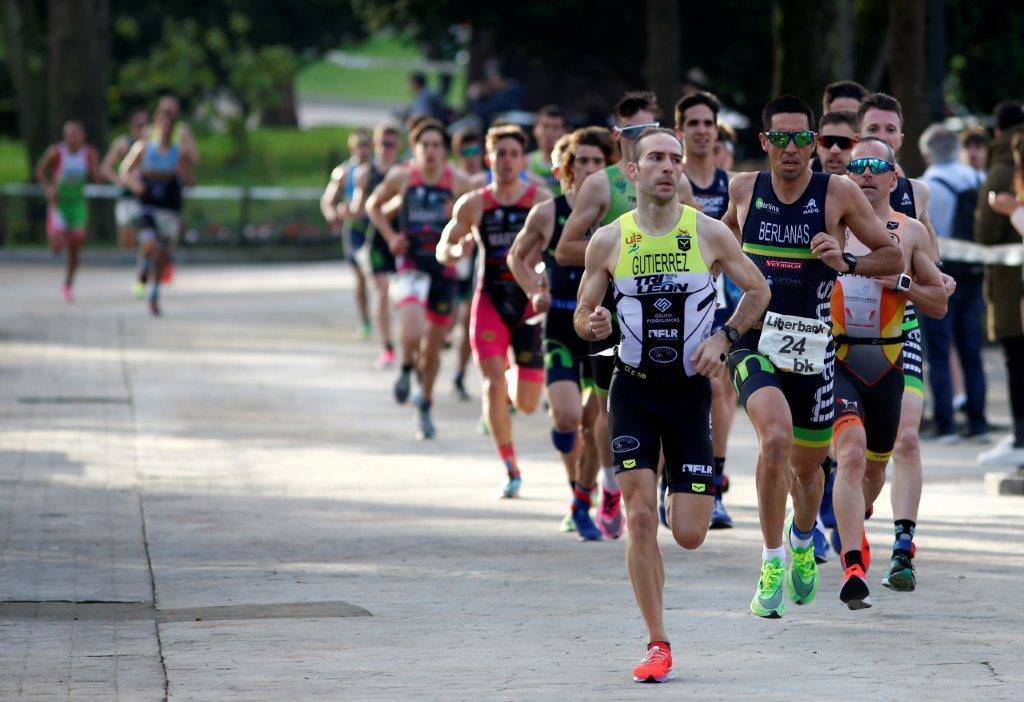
[(843, 142), (876, 165), (633, 131), (804, 137), (468, 151)]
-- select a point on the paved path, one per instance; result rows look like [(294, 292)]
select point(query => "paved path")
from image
[(225, 504)]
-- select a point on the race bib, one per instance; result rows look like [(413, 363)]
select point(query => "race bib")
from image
[(795, 344), (409, 286)]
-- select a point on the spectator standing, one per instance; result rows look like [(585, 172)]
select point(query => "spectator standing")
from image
[(954, 189), (1003, 286), (424, 100), (974, 149)]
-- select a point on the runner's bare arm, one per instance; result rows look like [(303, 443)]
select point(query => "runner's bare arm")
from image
[(465, 217), (328, 201), (130, 166), (855, 212), (188, 144), (392, 185), (592, 321), (44, 170), (357, 205), (116, 152), (740, 187), (927, 291), (92, 159), (721, 250), (536, 232), (591, 205), (922, 194)]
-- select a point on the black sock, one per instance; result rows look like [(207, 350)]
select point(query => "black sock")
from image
[(904, 529), (458, 377), (719, 471), (406, 368), (852, 558)]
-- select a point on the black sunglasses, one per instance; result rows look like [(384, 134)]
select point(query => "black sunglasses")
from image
[(843, 142)]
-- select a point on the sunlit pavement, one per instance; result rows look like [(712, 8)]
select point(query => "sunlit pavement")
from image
[(239, 510)]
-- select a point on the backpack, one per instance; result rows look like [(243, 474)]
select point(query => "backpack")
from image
[(963, 228)]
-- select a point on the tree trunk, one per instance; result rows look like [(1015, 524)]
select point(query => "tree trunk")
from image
[(79, 50), (907, 76), (284, 113), (25, 41), (937, 63), (662, 63), (806, 49)]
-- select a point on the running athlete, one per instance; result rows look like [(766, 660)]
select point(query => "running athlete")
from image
[(659, 259), (493, 216), (566, 355), (724, 151), (63, 170), (867, 319), (375, 255), (842, 96), (126, 210), (335, 207), (792, 224), (547, 130), (423, 289), (601, 200), (155, 171), (837, 133), (697, 127), (881, 116), (469, 154)]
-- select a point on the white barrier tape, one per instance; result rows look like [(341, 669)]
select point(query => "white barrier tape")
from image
[(199, 192), (969, 252)]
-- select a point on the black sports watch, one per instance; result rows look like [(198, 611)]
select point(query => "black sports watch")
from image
[(851, 261), (731, 334)]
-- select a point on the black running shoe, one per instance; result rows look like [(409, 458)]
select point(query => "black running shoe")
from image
[(426, 424), (402, 386)]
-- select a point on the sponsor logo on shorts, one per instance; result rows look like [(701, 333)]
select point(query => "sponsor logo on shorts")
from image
[(662, 333), (629, 463), (698, 469), (698, 487), (624, 444), (662, 304), (663, 354), (488, 336), (848, 405), (892, 225), (786, 265), (524, 357)]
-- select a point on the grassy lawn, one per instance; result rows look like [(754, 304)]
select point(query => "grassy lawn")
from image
[(13, 162), (323, 79)]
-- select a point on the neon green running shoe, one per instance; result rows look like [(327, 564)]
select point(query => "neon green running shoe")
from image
[(768, 601), (568, 525), (802, 577), (365, 331), (139, 290)]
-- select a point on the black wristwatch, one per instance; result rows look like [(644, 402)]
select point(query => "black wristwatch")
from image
[(731, 334), (851, 261)]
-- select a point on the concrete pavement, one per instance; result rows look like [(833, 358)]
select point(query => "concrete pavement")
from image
[(225, 503)]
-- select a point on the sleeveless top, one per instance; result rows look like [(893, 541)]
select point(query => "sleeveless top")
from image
[(499, 226), (71, 174), (714, 199), (777, 238), (160, 176), (621, 194), (664, 296), (901, 199), (563, 281), (426, 209), (867, 318), (535, 164)]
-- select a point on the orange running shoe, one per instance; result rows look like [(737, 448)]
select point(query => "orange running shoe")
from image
[(854, 592), (865, 550), (656, 665)]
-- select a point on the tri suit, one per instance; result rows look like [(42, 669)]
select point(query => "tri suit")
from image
[(901, 199)]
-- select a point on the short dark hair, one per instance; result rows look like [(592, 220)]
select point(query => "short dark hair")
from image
[(842, 89), (972, 136), (419, 79), (839, 117), (879, 101), (699, 97), (649, 132), (726, 132), (635, 101), (587, 136), (1008, 114), (786, 104), (425, 125), (465, 137), (505, 131), (551, 111)]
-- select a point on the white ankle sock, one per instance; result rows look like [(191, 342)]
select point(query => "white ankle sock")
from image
[(769, 553), (610, 483)]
